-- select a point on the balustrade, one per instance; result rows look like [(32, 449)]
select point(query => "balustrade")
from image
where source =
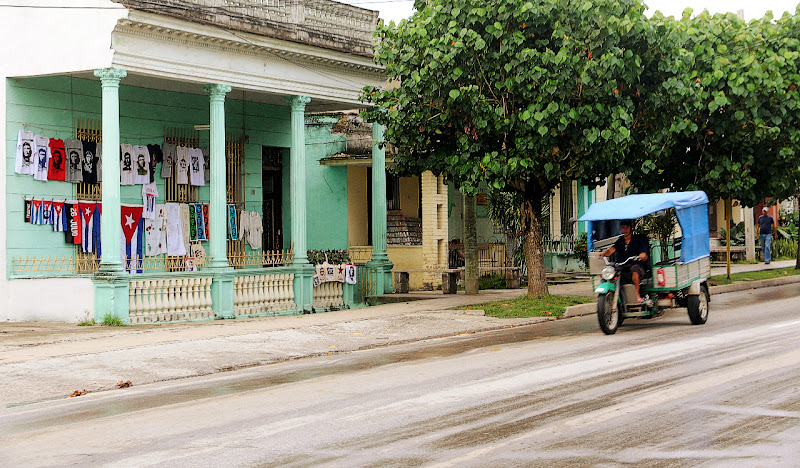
[(261, 294), (170, 299), (328, 295)]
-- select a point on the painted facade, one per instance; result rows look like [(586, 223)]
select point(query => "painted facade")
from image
[(240, 87)]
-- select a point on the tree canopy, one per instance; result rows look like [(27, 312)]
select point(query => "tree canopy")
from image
[(728, 121), (516, 94)]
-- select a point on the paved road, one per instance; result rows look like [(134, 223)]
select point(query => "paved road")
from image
[(658, 393)]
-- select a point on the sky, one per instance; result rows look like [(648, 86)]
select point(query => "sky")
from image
[(398, 9)]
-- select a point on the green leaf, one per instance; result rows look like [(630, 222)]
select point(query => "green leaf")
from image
[(454, 94), (542, 130)]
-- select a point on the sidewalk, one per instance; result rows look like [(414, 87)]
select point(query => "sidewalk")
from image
[(43, 360)]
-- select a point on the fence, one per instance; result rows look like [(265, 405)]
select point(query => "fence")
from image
[(366, 283), (88, 263)]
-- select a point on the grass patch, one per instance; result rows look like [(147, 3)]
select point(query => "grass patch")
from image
[(752, 276), (539, 306), (86, 323), (112, 320)]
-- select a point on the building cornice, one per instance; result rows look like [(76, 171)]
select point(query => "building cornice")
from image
[(187, 33)]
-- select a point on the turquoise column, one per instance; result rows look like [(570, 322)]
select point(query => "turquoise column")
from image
[(223, 274), (380, 260), (111, 281), (303, 271), (584, 202), (217, 244)]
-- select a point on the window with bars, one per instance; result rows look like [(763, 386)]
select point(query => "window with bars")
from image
[(234, 192)]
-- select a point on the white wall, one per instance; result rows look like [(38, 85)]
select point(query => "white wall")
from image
[(50, 299), (57, 36), (47, 37)]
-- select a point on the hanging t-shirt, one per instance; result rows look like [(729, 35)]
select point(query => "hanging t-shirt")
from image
[(126, 164), (172, 218), (170, 152), (155, 233), (56, 167), (155, 158), (244, 224), (233, 229), (201, 223), (90, 160), (182, 165), (185, 223), (207, 164), (206, 220), (98, 166), (47, 211), (41, 152), (25, 162), (350, 274), (141, 172), (254, 231), (196, 163), (149, 195), (74, 154), (58, 217), (192, 222)]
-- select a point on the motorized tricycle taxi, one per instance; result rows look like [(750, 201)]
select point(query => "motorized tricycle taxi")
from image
[(677, 266)]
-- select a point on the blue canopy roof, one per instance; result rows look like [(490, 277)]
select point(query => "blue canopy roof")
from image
[(690, 208), (636, 206)]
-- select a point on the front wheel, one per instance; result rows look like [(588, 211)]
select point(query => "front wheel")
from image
[(608, 318), (698, 306)]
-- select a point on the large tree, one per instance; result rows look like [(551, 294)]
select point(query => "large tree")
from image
[(518, 95), (729, 121)]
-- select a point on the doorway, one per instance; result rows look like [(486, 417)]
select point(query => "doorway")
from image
[(272, 181)]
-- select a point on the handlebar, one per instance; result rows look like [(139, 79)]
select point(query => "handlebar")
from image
[(609, 262)]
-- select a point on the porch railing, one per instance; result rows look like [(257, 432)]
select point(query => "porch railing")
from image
[(88, 263), (366, 283), (263, 294), (170, 299), (559, 244), (328, 295)]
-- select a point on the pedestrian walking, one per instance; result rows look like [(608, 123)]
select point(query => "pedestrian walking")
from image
[(766, 228)]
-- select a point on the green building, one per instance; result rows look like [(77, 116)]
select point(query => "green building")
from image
[(234, 87)]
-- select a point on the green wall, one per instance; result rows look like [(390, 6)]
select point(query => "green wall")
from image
[(326, 216), (49, 105)]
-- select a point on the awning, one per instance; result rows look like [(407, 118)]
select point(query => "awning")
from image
[(636, 206)]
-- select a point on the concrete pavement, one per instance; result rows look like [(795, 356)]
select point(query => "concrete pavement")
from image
[(44, 360)]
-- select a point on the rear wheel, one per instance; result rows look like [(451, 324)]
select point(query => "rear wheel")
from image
[(698, 306), (609, 319)]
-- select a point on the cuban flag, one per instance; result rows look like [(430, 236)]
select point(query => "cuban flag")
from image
[(36, 212), (90, 237), (133, 237), (47, 211), (58, 217)]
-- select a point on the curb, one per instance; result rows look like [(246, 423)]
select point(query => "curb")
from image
[(745, 285)]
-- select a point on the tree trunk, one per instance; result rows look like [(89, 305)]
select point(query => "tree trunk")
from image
[(797, 263), (470, 245), (611, 186), (531, 213)]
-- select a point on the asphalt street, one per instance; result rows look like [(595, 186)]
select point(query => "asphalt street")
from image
[(559, 393)]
